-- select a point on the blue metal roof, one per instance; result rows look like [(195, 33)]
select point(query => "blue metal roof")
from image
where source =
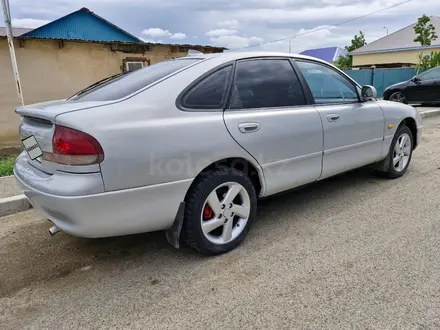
[(329, 54), (82, 25)]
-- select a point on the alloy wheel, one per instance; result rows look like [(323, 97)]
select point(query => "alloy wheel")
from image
[(398, 97), (225, 213), (402, 152)]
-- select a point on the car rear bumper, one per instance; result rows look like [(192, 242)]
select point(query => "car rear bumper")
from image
[(105, 214)]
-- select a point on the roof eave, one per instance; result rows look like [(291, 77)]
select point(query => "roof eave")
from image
[(118, 42), (353, 53)]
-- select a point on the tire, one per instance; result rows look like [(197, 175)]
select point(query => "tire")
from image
[(395, 170), (398, 96), (200, 216)]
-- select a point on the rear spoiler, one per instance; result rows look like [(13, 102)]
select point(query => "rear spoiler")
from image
[(50, 110), (35, 112)]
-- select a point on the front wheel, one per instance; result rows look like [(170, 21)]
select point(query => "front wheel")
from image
[(400, 153), (220, 208), (398, 97)]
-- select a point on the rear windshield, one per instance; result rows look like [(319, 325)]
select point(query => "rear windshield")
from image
[(124, 84)]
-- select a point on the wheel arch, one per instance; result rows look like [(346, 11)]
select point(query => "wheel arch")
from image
[(411, 124), (253, 170)]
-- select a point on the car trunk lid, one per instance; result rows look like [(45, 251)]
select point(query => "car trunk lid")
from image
[(38, 121)]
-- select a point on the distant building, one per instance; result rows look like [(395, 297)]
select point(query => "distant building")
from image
[(68, 54), (396, 50), (329, 54)]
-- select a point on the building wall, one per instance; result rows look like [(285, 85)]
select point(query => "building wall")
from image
[(389, 58), (48, 72)]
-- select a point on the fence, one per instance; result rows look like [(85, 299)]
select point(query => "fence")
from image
[(381, 78)]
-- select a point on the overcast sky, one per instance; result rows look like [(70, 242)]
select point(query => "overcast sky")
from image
[(236, 23)]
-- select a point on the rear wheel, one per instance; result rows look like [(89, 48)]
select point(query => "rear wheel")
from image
[(220, 208)]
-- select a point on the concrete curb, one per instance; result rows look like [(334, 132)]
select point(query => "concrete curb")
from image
[(14, 204), (430, 113)]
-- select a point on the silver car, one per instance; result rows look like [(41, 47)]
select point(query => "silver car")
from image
[(189, 145)]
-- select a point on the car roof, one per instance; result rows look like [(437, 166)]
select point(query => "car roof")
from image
[(231, 55)]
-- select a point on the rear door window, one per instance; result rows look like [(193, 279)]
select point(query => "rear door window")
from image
[(266, 83), (122, 85)]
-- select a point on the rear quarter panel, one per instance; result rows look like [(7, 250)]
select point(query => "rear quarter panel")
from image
[(147, 140)]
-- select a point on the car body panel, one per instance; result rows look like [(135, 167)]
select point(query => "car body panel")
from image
[(105, 214), (58, 183), (422, 91), (288, 144), (354, 139), (395, 113), (49, 110)]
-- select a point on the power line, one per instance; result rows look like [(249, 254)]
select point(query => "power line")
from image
[(323, 28)]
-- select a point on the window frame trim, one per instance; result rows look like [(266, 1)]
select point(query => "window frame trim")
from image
[(341, 73), (307, 100), (196, 82)]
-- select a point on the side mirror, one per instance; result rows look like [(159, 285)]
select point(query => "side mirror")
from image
[(416, 79), (368, 93)]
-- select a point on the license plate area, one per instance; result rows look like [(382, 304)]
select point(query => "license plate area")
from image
[(32, 147)]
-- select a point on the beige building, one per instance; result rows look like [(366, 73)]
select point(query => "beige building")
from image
[(57, 68), (398, 49)]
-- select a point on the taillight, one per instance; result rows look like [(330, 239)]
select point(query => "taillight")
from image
[(73, 147)]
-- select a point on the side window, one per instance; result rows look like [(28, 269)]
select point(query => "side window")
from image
[(210, 93), (266, 83), (327, 85), (433, 74)]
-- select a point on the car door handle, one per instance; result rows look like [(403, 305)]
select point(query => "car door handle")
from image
[(333, 117), (249, 127)]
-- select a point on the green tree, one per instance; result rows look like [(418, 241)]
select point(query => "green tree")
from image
[(425, 35), (425, 31), (345, 62), (429, 62)]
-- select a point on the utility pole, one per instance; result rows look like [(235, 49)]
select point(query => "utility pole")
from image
[(290, 44), (7, 19)]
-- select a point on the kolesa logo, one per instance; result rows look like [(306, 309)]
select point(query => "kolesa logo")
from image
[(31, 146)]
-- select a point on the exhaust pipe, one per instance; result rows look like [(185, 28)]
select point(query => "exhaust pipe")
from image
[(53, 230)]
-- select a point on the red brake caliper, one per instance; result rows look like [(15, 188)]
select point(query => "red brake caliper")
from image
[(207, 212)]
